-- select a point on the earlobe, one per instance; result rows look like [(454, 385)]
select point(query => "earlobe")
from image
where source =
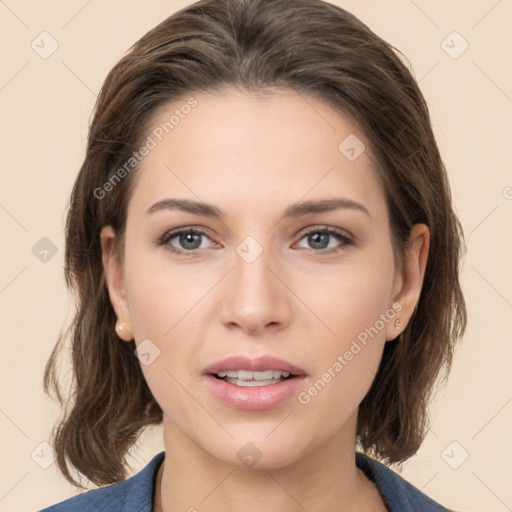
[(114, 278), (413, 273), (124, 330), (397, 325)]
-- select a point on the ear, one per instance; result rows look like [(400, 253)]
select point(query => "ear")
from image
[(408, 282), (115, 283)]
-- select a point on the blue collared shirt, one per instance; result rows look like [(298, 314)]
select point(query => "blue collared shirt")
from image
[(136, 493)]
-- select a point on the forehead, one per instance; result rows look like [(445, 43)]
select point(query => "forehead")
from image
[(244, 152)]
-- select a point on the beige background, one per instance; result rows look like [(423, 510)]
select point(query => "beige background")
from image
[(45, 107)]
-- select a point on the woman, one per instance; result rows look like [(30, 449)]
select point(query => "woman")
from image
[(265, 257)]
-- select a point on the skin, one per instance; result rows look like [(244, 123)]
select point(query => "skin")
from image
[(252, 158)]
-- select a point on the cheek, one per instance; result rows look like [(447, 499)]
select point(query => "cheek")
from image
[(356, 307), (161, 308), (166, 308), (355, 296), (160, 294)]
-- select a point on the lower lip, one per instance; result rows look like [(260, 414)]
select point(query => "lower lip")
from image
[(255, 398)]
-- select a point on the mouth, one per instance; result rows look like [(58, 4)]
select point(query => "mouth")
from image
[(255, 384)]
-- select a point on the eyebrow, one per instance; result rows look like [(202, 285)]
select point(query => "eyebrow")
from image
[(296, 210)]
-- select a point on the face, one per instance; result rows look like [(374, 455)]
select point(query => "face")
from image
[(258, 277)]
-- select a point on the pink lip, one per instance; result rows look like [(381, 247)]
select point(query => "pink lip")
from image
[(259, 364), (254, 398)]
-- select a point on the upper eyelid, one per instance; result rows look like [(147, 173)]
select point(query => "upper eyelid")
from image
[(204, 230), (330, 229), (186, 229), (173, 233)]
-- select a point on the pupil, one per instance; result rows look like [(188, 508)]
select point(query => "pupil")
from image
[(319, 240), (190, 240)]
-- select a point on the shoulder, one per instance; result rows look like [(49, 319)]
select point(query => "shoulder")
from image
[(135, 493), (399, 495)]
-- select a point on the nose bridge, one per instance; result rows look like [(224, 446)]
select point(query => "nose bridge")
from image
[(251, 273), (254, 298)]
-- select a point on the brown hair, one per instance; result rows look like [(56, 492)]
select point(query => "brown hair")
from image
[(317, 49)]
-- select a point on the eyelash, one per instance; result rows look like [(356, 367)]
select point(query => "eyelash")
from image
[(341, 235)]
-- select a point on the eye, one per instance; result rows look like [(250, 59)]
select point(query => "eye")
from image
[(325, 239), (318, 238), (183, 240)]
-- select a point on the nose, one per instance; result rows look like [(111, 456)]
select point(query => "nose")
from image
[(254, 298)]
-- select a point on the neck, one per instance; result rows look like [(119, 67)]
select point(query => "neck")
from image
[(190, 479)]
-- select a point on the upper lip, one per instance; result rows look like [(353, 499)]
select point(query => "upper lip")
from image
[(258, 364)]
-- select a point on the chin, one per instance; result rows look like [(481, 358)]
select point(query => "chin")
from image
[(258, 451)]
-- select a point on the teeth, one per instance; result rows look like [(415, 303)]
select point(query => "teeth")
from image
[(252, 383), (244, 375)]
